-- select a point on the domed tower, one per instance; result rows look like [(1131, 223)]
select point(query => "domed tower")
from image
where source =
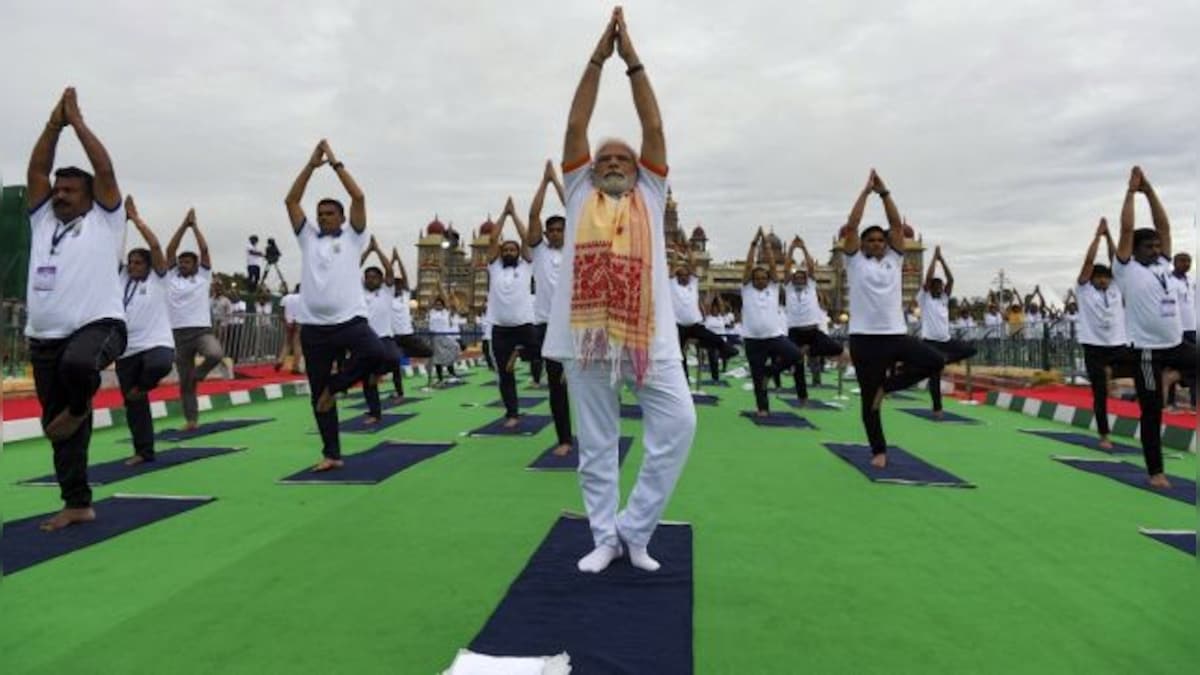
[(699, 239), (479, 275), (671, 220)]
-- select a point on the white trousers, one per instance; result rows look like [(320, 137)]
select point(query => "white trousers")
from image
[(669, 423)]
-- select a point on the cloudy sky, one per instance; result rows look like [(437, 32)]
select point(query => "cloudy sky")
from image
[(1004, 129)]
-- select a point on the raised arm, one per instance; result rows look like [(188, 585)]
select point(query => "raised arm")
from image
[(205, 261), (809, 265), (384, 264), (358, 201), (522, 235), (946, 270), (296, 193), (654, 143), (1089, 258), (493, 251), (575, 145), (748, 269), (929, 273), (1125, 244), (104, 188), (1158, 214), (157, 260), (1108, 242), (41, 161), (1041, 300), (772, 271), (539, 198), (895, 223), (173, 245), (403, 278), (850, 243)]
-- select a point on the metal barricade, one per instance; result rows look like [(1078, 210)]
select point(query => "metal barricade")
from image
[(251, 338), (14, 349)]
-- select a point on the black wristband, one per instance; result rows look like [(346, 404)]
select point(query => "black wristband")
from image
[(594, 62), (337, 166), (634, 70), (884, 194)]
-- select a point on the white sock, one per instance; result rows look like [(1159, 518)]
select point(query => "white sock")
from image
[(599, 559), (639, 558)]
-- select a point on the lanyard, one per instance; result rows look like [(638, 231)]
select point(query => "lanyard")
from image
[(1162, 281), (131, 287), (60, 232)]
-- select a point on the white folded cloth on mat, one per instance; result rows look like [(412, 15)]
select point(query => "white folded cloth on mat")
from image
[(470, 663)]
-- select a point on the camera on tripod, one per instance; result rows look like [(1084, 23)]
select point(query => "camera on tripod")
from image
[(273, 252)]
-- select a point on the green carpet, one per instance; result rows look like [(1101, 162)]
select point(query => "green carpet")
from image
[(802, 565)]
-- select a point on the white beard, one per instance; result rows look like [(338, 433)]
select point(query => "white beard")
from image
[(614, 185)]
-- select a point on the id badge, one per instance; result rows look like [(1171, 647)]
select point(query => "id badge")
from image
[(1167, 308), (43, 278)]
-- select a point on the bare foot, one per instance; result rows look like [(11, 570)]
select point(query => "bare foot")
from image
[(328, 465), (191, 425), (562, 450), (370, 419), (1105, 443), (64, 425), (879, 461), (802, 402), (1159, 482), (68, 517), (325, 401), (939, 414), (762, 413), (512, 422), (135, 460)]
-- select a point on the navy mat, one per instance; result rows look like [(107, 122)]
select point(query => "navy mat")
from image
[(358, 425), (447, 385), (779, 419), (631, 411), (947, 416), (530, 425), (704, 399), (1182, 489), (902, 468), (389, 403), (622, 620), (548, 461), (24, 545), (176, 435), (372, 466), (809, 404), (714, 383), (1184, 540), (1084, 440), (111, 472), (523, 402)]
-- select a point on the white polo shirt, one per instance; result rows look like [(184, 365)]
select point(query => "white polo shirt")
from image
[(760, 312), (253, 256), (439, 322), (188, 302), (330, 281), (802, 306), (401, 314), (289, 305), (146, 320), (1185, 291), (1101, 316), (509, 297), (1151, 306), (876, 306), (78, 283), (715, 324), (664, 344), (379, 309), (935, 316), (237, 311), (546, 265), (685, 300)]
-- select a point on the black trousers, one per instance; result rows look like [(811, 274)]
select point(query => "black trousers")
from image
[(781, 353), (412, 347), (390, 363), (1189, 337), (953, 351), (1149, 367), (819, 345), (253, 274), (1096, 361), (707, 340), (486, 347), (66, 374), (560, 404), (909, 361), (143, 370), (505, 340), (323, 345)]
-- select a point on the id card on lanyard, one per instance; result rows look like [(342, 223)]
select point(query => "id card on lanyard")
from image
[(1167, 306)]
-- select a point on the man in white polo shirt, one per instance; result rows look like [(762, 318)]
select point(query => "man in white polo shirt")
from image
[(76, 324), (189, 306), (334, 314), (934, 300), (805, 318), (403, 332), (254, 258), (510, 299), (764, 328), (685, 301), (1142, 270), (1185, 291), (378, 294), (611, 319), (547, 248)]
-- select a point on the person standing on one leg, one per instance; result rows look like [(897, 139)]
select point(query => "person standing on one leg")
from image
[(445, 347), (189, 307), (764, 333), (934, 300), (402, 326), (1142, 270), (879, 340), (333, 313), (805, 318), (611, 317), (685, 300), (150, 351), (485, 344), (1101, 329), (76, 324), (714, 322), (547, 262), (254, 258), (378, 293), (510, 275), (1185, 292)]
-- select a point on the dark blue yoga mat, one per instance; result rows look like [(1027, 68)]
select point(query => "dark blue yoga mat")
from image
[(714, 383), (947, 416), (389, 403), (23, 544), (176, 435), (631, 411), (523, 402), (548, 461), (1182, 489), (622, 620), (779, 419), (1084, 440), (358, 425), (704, 399), (111, 472), (1184, 540), (530, 425), (372, 466), (902, 468), (809, 404)]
